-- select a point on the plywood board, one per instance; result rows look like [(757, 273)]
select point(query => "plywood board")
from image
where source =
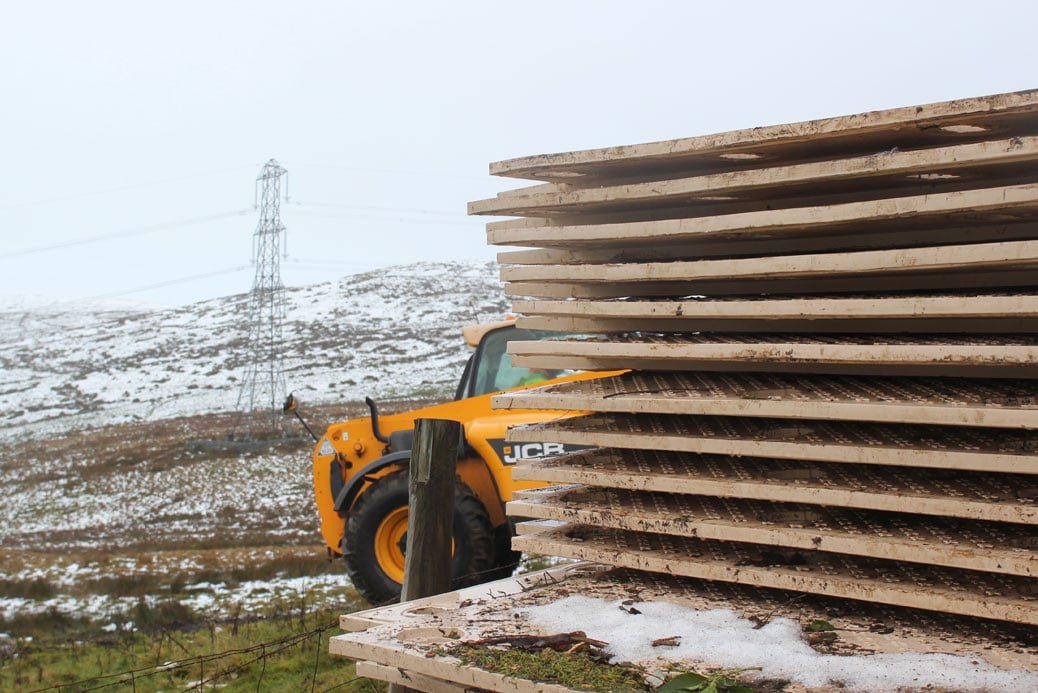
[(942, 401), (1011, 255), (969, 495), (983, 595), (1010, 356), (743, 246), (999, 205), (864, 628), (985, 547), (936, 124), (935, 313), (792, 286), (813, 308), (888, 174), (932, 447), (381, 648), (409, 679), (848, 325)]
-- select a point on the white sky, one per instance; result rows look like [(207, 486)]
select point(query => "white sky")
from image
[(133, 131)]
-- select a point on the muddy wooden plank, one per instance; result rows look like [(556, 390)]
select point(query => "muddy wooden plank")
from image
[(877, 282), (866, 628), (934, 313), (941, 401), (886, 174), (410, 679), (989, 205), (932, 447), (936, 124), (386, 650), (1010, 356), (985, 547), (970, 495), (1011, 255), (985, 595)]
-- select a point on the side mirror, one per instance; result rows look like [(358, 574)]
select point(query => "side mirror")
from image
[(290, 404)]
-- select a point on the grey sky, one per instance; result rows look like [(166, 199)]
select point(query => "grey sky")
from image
[(133, 131)]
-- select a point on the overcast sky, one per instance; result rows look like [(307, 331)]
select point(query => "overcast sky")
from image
[(133, 131)]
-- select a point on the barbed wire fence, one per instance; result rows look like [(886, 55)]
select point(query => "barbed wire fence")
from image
[(130, 678)]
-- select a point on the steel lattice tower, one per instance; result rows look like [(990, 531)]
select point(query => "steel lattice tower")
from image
[(263, 387)]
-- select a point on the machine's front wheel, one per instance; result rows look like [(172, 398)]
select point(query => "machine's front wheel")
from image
[(375, 539)]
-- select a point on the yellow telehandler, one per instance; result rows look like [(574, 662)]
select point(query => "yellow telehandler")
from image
[(361, 472)]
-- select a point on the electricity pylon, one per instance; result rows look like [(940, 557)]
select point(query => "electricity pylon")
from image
[(263, 386)]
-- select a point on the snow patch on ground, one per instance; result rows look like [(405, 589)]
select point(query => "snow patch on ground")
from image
[(721, 638), (392, 332)]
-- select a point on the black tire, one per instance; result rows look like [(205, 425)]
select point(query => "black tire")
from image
[(382, 503), (505, 559)]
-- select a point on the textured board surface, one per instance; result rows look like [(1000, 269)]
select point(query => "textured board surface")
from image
[(1010, 356), (1009, 256), (743, 247), (888, 174), (933, 447), (919, 314), (409, 679), (996, 280), (981, 546), (929, 125), (971, 495), (982, 595), (999, 205), (944, 401), (401, 634)]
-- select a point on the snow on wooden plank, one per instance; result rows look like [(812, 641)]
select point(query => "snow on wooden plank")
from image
[(962, 120), (984, 595), (1010, 356), (887, 174), (971, 495), (983, 206), (941, 401), (863, 627), (932, 447), (985, 547)]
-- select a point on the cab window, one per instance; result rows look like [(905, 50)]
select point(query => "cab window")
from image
[(494, 369)]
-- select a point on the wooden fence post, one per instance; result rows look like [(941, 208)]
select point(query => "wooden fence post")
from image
[(430, 516)]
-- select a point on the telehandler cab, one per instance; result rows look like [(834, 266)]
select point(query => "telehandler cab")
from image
[(361, 472)]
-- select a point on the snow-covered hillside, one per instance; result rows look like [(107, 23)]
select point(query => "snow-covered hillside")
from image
[(389, 333)]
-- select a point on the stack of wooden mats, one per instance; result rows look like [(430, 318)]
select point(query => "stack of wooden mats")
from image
[(832, 335)]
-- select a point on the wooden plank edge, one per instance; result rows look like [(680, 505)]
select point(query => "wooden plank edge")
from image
[(816, 452), (407, 678), (910, 413), (778, 577), (994, 560), (938, 506), (936, 114)]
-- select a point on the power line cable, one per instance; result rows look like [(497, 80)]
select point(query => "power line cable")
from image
[(368, 208), (139, 231), (460, 221), (393, 172), (122, 188), (172, 282)]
